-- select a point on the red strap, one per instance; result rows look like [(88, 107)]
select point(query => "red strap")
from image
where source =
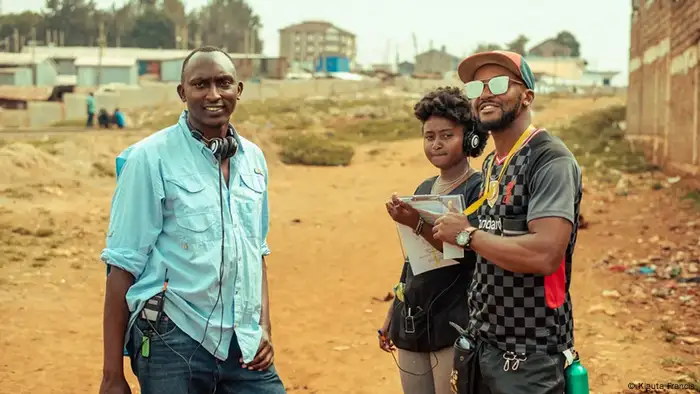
[(555, 287)]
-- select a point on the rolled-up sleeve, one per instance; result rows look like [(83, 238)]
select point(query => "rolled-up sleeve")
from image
[(136, 217), (265, 215)]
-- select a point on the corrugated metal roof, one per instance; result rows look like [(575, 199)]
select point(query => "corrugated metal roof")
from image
[(137, 53), (21, 59), (105, 62)]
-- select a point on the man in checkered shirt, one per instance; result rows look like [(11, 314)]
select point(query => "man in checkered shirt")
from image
[(520, 309)]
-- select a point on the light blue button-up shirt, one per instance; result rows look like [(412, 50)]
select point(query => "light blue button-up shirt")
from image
[(166, 214)]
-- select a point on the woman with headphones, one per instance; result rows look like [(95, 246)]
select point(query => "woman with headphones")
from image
[(417, 323)]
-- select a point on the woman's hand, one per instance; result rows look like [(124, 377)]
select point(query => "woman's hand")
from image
[(402, 212)]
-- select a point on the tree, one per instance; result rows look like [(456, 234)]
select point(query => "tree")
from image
[(230, 24), (75, 18), (23, 23), (518, 45), (568, 40), (484, 47), (152, 29)]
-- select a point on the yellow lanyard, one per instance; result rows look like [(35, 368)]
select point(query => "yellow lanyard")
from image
[(488, 186)]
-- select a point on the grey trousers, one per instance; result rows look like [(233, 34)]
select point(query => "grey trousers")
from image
[(502, 373), (433, 370)]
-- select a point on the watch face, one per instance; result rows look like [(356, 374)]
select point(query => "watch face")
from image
[(462, 238)]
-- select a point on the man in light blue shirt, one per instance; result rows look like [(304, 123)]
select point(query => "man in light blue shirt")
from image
[(188, 225)]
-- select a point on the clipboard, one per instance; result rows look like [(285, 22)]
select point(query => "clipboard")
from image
[(420, 253)]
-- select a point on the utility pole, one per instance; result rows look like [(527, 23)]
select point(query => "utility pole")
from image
[(34, 68), (15, 36), (198, 38), (178, 38), (251, 49), (101, 42), (246, 42)]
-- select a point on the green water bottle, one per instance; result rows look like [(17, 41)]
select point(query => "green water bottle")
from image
[(576, 378)]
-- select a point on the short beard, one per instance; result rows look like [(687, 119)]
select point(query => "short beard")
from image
[(498, 125)]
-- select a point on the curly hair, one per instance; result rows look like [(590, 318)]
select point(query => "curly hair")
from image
[(450, 103)]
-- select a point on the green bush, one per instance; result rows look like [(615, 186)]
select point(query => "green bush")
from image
[(314, 150), (379, 130)]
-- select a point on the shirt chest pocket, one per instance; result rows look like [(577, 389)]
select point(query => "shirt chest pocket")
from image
[(249, 201), (194, 208)]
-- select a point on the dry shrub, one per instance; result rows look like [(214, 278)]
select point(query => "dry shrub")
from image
[(314, 150), (597, 139)]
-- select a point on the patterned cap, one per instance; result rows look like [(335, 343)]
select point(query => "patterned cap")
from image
[(512, 61)]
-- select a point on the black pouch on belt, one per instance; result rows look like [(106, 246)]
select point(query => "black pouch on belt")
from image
[(465, 364)]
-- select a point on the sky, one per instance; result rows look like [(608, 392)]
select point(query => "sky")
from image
[(384, 27)]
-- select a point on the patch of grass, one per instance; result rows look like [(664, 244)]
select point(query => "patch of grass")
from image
[(378, 130), (597, 140), (314, 150), (103, 170), (47, 144), (70, 123), (693, 196), (671, 362), (375, 151)]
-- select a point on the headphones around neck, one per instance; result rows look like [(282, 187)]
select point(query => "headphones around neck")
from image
[(471, 141), (222, 148)]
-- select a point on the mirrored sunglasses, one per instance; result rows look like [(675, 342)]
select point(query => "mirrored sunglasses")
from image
[(497, 86)]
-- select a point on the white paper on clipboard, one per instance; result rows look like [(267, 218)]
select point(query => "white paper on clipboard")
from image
[(422, 255)]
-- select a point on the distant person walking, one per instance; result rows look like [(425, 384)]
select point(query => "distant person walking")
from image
[(435, 298), (90, 109)]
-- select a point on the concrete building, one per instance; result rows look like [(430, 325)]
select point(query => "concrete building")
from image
[(302, 43), (108, 70), (565, 68), (17, 76), (161, 64), (406, 68), (550, 48), (41, 69), (598, 78), (663, 96), (171, 69), (435, 62)]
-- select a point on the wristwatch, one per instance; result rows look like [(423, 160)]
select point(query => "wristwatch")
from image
[(464, 237)]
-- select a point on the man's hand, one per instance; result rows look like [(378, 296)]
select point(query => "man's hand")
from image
[(449, 225), (265, 356), (114, 385), (402, 212)]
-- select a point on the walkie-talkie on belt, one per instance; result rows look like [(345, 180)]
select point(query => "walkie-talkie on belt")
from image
[(153, 312)]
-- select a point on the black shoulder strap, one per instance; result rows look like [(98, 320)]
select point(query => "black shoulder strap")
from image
[(426, 187)]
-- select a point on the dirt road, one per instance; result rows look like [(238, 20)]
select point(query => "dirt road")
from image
[(334, 250)]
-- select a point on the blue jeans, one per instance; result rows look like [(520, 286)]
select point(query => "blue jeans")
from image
[(166, 372)]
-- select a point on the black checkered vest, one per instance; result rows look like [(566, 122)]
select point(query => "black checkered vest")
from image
[(508, 310)]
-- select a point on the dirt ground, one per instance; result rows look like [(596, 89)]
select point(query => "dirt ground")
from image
[(335, 255)]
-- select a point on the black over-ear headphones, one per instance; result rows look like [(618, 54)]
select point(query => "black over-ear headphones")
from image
[(222, 148), (471, 140)]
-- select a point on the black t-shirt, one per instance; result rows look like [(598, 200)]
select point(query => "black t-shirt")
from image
[(438, 296)]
